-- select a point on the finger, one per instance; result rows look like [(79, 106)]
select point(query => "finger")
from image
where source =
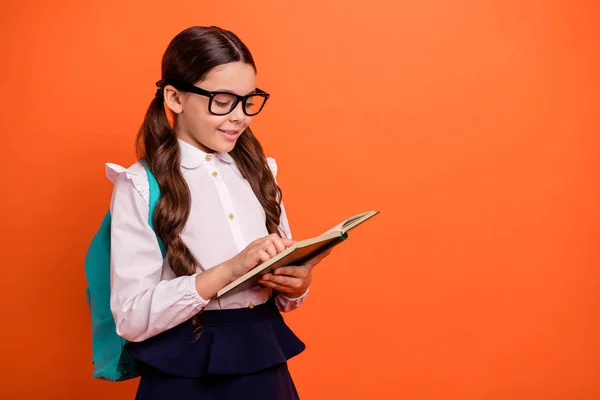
[(286, 285), (288, 242), (278, 243), (271, 249), (297, 271), (263, 256), (282, 280), (275, 286)]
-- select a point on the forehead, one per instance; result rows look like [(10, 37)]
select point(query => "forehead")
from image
[(237, 77)]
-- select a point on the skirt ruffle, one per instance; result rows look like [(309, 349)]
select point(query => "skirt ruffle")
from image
[(232, 342)]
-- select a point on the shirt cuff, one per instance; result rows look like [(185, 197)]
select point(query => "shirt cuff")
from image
[(287, 304), (191, 291), (301, 297)]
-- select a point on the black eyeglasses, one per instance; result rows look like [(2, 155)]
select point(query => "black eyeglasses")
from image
[(222, 103)]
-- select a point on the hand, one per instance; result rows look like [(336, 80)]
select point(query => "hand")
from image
[(257, 252), (293, 281)]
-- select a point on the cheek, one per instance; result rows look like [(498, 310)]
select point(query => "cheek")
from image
[(206, 121), (202, 118), (215, 121)]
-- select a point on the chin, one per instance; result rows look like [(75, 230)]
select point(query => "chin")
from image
[(225, 147)]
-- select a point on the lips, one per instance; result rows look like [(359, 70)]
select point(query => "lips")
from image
[(229, 134)]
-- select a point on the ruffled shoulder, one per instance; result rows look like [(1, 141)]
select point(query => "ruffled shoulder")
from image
[(136, 174), (272, 165)]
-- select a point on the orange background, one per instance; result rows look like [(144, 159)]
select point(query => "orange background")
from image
[(471, 125)]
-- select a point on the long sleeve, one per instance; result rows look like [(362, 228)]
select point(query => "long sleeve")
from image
[(285, 303), (143, 302)]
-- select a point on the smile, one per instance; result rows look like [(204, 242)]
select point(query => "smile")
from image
[(230, 134)]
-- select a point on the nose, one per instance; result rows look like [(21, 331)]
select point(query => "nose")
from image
[(238, 113)]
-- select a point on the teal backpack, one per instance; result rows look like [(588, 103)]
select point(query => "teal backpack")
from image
[(111, 361)]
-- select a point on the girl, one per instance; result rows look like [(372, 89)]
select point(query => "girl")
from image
[(219, 215)]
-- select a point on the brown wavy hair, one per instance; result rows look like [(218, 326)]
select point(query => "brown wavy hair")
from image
[(188, 58)]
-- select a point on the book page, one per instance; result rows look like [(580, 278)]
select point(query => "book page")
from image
[(345, 223), (348, 222), (352, 219)]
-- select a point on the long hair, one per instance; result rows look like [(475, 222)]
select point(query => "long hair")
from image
[(188, 58)]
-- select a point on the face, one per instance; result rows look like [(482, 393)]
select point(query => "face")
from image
[(194, 124)]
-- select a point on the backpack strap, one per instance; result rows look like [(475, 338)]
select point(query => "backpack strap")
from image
[(154, 196)]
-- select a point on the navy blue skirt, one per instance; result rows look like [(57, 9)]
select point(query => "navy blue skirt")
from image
[(240, 354)]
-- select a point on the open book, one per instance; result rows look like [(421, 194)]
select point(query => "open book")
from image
[(299, 253)]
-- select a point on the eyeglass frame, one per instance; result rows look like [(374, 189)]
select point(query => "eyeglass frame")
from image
[(188, 87)]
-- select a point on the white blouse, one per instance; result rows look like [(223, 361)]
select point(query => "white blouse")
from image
[(146, 296)]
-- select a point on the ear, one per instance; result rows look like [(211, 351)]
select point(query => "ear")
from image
[(173, 98)]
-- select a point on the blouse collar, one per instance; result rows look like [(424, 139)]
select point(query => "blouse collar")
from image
[(192, 157)]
